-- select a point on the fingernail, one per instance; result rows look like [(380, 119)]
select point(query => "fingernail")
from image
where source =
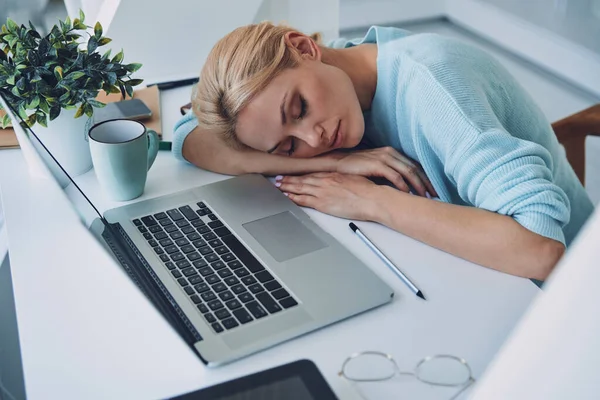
[(278, 177), (287, 194), (277, 184)]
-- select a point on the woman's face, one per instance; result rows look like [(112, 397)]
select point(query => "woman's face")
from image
[(303, 112)]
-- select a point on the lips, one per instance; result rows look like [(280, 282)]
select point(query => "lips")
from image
[(335, 137)]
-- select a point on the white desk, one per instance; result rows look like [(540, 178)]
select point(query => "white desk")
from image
[(86, 332)]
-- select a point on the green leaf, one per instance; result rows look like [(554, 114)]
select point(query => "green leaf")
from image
[(44, 106), (5, 121), (96, 103), (80, 26), (75, 75), (133, 67), (58, 72), (80, 111), (89, 111), (34, 103), (112, 78), (129, 90), (44, 47), (98, 30), (81, 16), (92, 45), (118, 58), (68, 22), (134, 82), (21, 110), (41, 119), (30, 121), (12, 25), (21, 84), (54, 112), (104, 41), (11, 80)]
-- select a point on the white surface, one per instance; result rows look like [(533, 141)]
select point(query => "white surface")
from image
[(554, 351), (170, 102), (110, 343), (363, 13), (592, 168)]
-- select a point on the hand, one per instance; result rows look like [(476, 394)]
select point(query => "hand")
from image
[(346, 196), (386, 162)]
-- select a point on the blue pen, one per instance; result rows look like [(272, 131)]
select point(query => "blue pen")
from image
[(387, 261)]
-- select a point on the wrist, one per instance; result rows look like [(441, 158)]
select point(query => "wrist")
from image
[(381, 197)]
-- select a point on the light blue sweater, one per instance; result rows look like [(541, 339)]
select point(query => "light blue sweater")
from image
[(480, 138)]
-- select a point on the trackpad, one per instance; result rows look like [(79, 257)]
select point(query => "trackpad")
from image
[(284, 236)]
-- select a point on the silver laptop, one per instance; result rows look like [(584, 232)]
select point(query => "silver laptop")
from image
[(235, 266)]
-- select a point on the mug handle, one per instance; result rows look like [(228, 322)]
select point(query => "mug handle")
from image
[(152, 147)]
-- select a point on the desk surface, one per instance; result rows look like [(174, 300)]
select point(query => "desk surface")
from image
[(86, 332)]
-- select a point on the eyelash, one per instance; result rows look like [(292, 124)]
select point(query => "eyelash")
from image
[(303, 107), (292, 147)]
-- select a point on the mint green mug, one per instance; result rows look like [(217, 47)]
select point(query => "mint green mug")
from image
[(122, 153)]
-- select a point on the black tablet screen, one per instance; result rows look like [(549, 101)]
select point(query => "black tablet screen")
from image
[(292, 388)]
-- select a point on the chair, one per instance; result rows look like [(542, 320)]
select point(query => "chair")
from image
[(571, 133)]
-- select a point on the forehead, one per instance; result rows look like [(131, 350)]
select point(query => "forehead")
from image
[(260, 120)]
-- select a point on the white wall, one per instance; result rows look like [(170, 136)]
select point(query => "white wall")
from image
[(361, 13)]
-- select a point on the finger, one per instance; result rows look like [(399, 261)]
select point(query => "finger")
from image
[(315, 179), (396, 179), (428, 184), (298, 188), (303, 200), (410, 173)]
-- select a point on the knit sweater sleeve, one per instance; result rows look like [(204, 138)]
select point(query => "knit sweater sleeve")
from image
[(490, 168), (182, 129)]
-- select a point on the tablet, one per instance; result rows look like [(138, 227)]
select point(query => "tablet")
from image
[(299, 380)]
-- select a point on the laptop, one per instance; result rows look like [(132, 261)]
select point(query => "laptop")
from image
[(234, 266)]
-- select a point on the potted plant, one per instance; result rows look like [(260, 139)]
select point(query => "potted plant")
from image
[(53, 81)]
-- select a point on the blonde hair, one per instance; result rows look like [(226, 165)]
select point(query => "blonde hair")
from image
[(239, 67)]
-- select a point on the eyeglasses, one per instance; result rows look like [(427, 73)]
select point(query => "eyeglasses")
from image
[(438, 370)]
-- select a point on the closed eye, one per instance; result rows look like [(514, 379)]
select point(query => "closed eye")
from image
[(292, 147), (303, 107)]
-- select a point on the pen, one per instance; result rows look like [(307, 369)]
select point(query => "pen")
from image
[(387, 261), (175, 84)]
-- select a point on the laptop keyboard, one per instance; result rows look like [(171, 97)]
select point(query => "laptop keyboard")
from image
[(228, 285)]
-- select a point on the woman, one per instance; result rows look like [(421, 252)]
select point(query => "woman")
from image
[(271, 100)]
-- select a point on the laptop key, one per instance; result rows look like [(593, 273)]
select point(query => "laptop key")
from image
[(182, 222), (227, 257), (248, 280), (182, 242), (224, 273), (201, 287), (202, 212), (170, 265), (175, 215), (241, 272), (245, 297), (233, 304), (193, 256), (242, 253), (205, 271), (188, 212), (195, 279), (177, 256), (264, 276), (208, 296), (199, 243), (267, 301), (183, 264), (149, 220), (158, 250), (196, 299), (160, 215), (210, 318), (137, 222), (222, 313), (188, 229), (176, 273), (273, 285), (235, 264), (217, 327), (215, 305), (221, 250), (231, 280), (176, 235), (165, 222), (160, 235), (171, 249), (238, 289), (155, 228), (256, 288), (217, 265), (215, 243), (171, 228), (194, 236), (202, 308), (215, 224), (219, 287), (205, 250), (166, 242), (212, 279), (200, 263), (222, 231), (256, 309), (226, 295), (147, 235), (211, 257), (198, 223), (203, 229), (288, 302), (142, 229), (230, 323), (189, 289), (188, 248), (182, 282), (164, 257), (243, 316), (188, 271), (280, 294), (209, 236)]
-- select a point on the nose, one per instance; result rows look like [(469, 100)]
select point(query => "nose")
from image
[(312, 135)]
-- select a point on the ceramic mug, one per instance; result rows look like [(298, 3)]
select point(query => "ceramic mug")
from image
[(122, 153)]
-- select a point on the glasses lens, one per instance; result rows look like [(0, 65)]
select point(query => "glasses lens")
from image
[(443, 371), (369, 367)]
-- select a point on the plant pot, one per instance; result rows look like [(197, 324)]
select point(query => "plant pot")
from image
[(66, 138)]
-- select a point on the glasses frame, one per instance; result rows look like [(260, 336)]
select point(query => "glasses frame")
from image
[(397, 371)]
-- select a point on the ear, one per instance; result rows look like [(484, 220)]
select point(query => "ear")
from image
[(305, 45)]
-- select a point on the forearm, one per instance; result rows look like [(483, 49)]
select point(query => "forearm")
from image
[(483, 237), (209, 152)]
